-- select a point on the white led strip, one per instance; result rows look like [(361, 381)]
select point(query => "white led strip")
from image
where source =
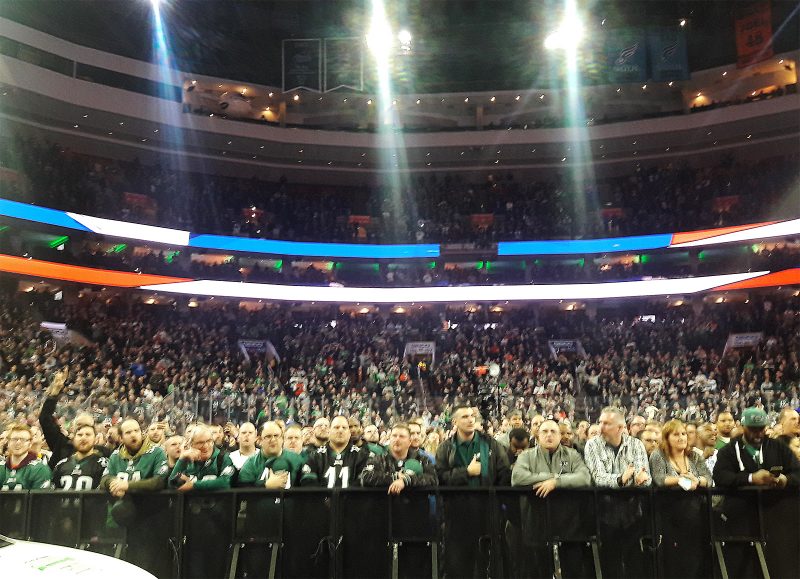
[(343, 295), (134, 231), (782, 229)]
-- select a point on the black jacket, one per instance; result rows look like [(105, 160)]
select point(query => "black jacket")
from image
[(382, 469), (499, 473), (735, 465)]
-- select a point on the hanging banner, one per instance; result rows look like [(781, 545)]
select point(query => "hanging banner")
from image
[(753, 33), (745, 340), (568, 347), (668, 55), (626, 55), (265, 347), (343, 63), (302, 64), (419, 351)]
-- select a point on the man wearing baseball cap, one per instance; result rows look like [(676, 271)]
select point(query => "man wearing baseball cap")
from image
[(753, 459)]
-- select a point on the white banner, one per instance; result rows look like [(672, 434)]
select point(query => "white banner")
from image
[(565, 347), (743, 340)]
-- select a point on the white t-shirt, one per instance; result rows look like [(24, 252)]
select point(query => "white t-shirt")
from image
[(239, 459)]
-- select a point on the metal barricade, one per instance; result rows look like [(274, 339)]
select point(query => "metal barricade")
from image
[(461, 532)]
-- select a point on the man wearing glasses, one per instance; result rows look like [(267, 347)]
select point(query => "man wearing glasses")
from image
[(20, 469), (203, 467)]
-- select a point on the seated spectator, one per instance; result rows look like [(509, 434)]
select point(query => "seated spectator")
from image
[(20, 469), (83, 470)]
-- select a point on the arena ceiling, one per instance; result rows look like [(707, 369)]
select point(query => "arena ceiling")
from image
[(459, 45)]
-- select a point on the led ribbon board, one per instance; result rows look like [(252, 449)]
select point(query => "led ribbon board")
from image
[(177, 237), (345, 295)]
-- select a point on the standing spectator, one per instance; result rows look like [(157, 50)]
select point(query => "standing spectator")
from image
[(157, 432), (20, 468), (415, 430), (474, 459), (514, 421), (675, 464), (293, 439), (519, 441), (173, 447), (59, 443), (83, 470), (203, 467), (567, 436), (320, 434), (789, 421), (545, 467), (754, 459), (751, 459), (649, 438), (617, 460), (725, 426), (247, 445), (275, 467), (337, 463), (707, 444), (401, 467)]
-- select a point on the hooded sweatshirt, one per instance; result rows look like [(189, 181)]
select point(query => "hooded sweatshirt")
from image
[(146, 470)]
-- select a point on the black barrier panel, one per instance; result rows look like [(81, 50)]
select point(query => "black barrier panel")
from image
[(14, 514), (426, 532)]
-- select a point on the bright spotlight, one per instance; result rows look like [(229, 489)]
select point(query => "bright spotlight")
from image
[(568, 35), (379, 38), (404, 37)]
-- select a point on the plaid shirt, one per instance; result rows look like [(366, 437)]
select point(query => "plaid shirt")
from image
[(606, 466)]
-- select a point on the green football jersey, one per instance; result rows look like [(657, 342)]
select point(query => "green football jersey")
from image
[(152, 462), (210, 475), (255, 471), (30, 474)]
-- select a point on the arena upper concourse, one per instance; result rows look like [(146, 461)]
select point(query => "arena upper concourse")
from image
[(361, 288)]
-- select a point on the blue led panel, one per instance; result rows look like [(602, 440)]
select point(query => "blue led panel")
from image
[(39, 214), (303, 249), (581, 246)]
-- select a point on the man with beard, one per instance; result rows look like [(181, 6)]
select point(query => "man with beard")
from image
[(59, 443), (753, 459), (134, 470), (83, 470), (725, 426), (319, 435)]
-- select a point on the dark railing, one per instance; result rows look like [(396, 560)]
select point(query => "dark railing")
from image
[(456, 532)]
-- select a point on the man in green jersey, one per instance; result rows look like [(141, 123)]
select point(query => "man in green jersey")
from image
[(20, 469), (136, 468), (203, 467), (273, 468)]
